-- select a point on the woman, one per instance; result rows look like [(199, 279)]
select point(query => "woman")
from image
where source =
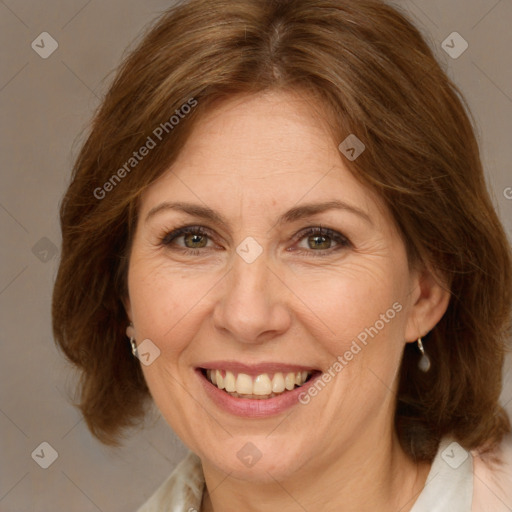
[(281, 213)]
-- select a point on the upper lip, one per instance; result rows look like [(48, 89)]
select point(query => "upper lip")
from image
[(255, 369)]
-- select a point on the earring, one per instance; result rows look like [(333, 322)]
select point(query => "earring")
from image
[(132, 342), (424, 364), (134, 347)]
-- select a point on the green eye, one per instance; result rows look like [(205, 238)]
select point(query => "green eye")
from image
[(195, 240), (194, 237), (319, 241)]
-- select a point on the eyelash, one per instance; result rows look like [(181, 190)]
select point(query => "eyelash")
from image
[(341, 240)]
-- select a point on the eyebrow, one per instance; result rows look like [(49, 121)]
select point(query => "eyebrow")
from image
[(292, 215)]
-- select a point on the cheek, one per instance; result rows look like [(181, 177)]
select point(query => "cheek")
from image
[(359, 322), (355, 300), (165, 310), (164, 302)]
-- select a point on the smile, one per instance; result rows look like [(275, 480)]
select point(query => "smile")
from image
[(254, 390), (261, 386)]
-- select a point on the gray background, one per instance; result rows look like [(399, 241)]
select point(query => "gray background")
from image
[(46, 105)]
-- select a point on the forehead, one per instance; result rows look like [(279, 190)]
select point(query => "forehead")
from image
[(260, 151)]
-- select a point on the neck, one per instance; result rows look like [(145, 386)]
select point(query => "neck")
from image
[(370, 474)]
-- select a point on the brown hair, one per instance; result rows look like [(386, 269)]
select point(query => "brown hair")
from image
[(375, 75)]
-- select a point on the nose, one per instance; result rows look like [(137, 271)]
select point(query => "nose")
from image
[(251, 306)]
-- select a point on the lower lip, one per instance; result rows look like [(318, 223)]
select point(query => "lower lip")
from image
[(254, 408)]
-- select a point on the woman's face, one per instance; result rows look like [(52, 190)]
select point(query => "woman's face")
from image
[(287, 265)]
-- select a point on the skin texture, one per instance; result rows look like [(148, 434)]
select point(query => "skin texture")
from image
[(251, 159)]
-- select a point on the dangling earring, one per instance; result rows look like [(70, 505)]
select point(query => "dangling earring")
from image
[(132, 342), (134, 347), (424, 364)]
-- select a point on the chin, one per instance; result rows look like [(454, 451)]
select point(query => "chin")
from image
[(256, 459)]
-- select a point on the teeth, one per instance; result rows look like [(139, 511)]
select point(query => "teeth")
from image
[(278, 383), (219, 379), (289, 381), (261, 386), (243, 384), (229, 382)]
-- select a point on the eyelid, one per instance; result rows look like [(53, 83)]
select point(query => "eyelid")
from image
[(320, 230), (172, 234), (339, 238)]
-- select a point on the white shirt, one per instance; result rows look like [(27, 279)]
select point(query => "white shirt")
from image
[(458, 481)]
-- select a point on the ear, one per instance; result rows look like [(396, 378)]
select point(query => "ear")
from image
[(130, 331), (431, 298)]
